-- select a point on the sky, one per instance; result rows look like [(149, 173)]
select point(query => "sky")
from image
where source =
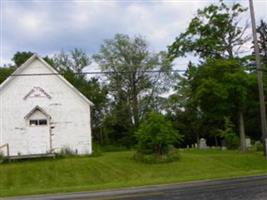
[(46, 27)]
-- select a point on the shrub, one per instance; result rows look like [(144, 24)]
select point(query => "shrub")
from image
[(97, 151), (66, 152), (154, 158), (231, 139), (258, 146), (155, 137)]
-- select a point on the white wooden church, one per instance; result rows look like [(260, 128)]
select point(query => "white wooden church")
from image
[(42, 113)]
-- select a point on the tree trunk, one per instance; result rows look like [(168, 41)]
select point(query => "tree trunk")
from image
[(216, 141), (135, 101), (198, 140), (135, 111), (242, 132), (101, 139)]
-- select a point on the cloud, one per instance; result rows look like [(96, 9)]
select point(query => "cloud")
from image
[(48, 26)]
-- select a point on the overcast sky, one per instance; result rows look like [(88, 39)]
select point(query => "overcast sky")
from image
[(46, 27)]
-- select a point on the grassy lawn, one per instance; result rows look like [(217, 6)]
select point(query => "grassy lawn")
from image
[(117, 169)]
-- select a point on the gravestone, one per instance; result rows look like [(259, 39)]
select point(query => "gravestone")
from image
[(224, 148), (248, 143), (202, 144)]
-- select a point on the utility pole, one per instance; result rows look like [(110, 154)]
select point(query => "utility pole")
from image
[(259, 78)]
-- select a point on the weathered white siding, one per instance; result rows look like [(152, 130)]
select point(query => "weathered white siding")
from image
[(70, 114)]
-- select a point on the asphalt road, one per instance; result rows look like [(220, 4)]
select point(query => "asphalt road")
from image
[(247, 188)]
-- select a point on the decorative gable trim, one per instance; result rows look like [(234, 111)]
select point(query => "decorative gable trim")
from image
[(37, 108), (37, 89)]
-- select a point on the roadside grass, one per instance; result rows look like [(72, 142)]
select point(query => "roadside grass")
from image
[(118, 169)]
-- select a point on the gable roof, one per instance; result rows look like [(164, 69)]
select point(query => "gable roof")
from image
[(28, 62), (35, 109)]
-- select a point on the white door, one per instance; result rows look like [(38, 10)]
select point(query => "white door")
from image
[(38, 139)]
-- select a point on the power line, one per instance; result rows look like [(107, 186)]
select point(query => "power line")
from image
[(125, 72), (98, 72)]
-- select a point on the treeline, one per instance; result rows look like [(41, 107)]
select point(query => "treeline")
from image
[(216, 98)]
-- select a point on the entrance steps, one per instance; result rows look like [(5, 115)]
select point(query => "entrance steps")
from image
[(31, 156)]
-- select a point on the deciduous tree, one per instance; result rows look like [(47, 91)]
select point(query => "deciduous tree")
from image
[(128, 62), (216, 32)]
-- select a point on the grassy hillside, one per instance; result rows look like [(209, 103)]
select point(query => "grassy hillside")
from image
[(117, 169)]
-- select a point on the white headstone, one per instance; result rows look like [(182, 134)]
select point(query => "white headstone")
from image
[(202, 143), (224, 147), (248, 142)]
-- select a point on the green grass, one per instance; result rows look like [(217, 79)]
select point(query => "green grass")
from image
[(118, 169)]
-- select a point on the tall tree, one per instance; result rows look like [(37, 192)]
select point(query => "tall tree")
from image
[(222, 91), (262, 32), (128, 60), (183, 109), (21, 57), (214, 33), (5, 72), (75, 61), (262, 41), (18, 58)]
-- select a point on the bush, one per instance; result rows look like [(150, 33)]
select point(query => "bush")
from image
[(66, 152), (258, 146), (231, 139), (155, 136), (155, 158), (97, 151)]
